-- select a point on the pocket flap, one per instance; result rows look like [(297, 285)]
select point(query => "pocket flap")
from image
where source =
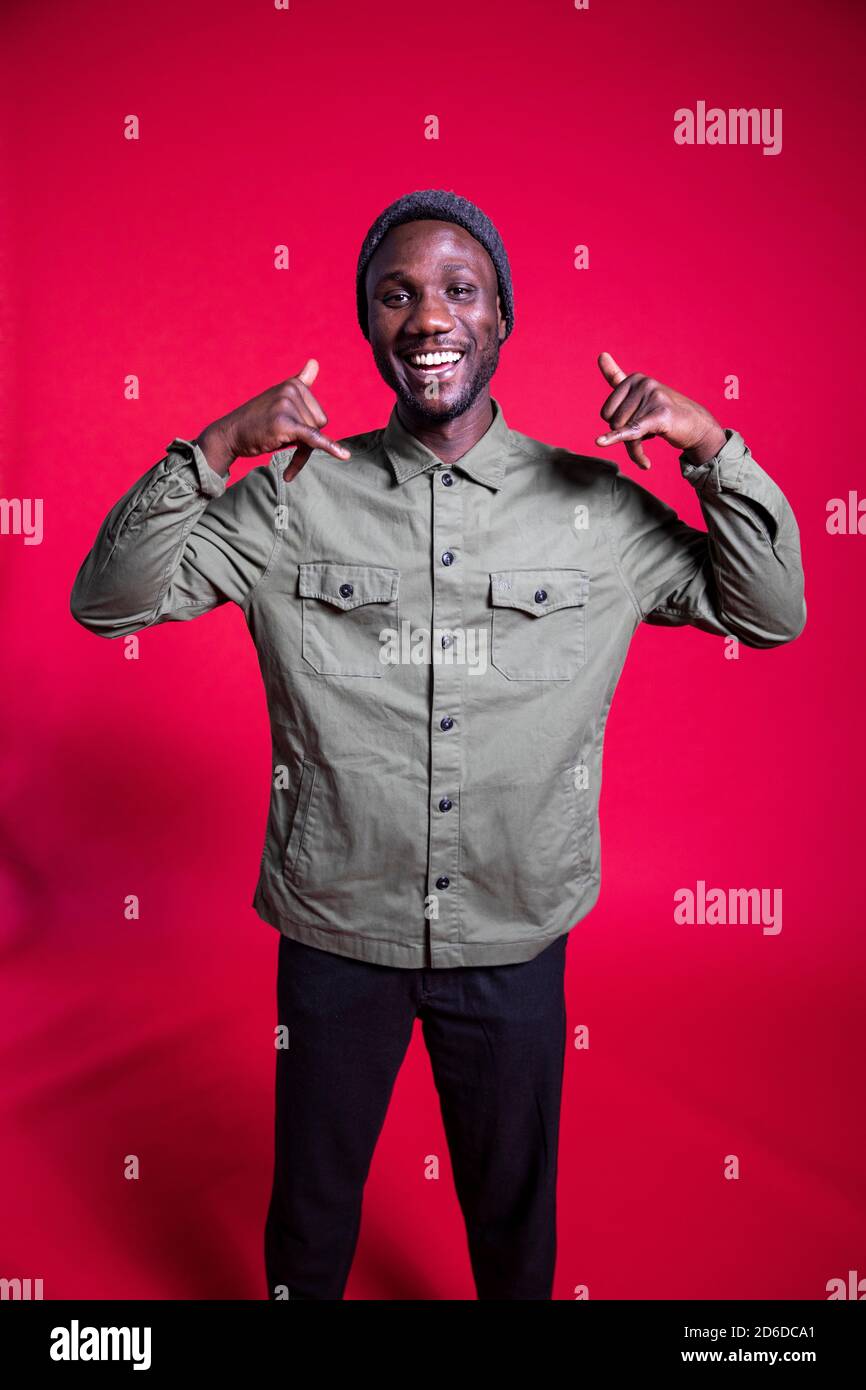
[(347, 586), (538, 591)]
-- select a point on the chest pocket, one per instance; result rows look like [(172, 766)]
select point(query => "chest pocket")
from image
[(345, 609), (539, 623)]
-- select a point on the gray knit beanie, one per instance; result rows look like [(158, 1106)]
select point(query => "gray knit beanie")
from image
[(443, 206)]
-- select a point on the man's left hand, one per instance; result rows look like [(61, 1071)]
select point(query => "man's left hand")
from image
[(639, 407)]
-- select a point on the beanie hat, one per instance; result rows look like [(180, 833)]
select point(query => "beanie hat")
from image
[(436, 203)]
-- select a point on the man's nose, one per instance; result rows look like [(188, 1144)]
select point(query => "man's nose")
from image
[(431, 314)]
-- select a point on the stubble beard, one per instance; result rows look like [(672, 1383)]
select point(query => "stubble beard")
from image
[(435, 408)]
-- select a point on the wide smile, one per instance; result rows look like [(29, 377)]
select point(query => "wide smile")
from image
[(442, 365)]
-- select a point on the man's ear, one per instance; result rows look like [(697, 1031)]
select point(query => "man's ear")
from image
[(503, 325)]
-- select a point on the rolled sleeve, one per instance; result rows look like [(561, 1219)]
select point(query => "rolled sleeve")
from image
[(186, 455), (743, 576)]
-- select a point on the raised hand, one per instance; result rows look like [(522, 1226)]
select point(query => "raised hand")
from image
[(285, 414), (639, 407)]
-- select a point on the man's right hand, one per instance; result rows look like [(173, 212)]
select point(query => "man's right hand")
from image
[(286, 414)]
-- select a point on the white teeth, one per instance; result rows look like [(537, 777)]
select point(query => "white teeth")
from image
[(434, 359)]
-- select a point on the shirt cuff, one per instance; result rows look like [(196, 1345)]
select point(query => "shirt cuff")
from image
[(211, 483), (725, 466)]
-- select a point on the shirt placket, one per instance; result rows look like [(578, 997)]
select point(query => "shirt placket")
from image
[(446, 723)]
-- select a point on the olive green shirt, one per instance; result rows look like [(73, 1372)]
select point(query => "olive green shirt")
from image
[(440, 646)]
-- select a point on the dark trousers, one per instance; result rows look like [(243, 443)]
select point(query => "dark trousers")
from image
[(496, 1040)]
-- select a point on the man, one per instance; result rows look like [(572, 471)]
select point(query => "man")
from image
[(441, 609)]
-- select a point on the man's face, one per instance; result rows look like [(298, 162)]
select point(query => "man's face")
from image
[(431, 287)]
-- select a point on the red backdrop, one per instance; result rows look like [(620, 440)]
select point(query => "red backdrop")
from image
[(155, 257)]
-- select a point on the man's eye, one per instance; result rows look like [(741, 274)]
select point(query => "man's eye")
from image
[(398, 297)]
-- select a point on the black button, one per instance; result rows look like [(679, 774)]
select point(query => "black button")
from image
[(446, 723), (347, 590), (540, 595), (447, 639), (447, 479), (448, 557), (442, 882), (445, 804)]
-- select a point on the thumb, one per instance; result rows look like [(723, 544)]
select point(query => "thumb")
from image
[(609, 369), (309, 372)]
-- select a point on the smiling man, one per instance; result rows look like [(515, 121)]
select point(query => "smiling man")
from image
[(432, 834), (440, 369)]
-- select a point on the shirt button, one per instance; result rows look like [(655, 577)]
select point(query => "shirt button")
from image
[(446, 723), (442, 882), (447, 639), (448, 557), (540, 595), (447, 479), (445, 804), (347, 590)]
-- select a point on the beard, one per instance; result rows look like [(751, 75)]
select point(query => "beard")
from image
[(438, 408)]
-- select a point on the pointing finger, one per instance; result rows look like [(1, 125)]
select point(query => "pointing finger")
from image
[(629, 432), (629, 435), (308, 440)]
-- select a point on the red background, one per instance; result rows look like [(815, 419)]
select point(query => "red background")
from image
[(155, 257)]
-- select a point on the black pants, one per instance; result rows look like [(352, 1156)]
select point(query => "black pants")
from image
[(496, 1040)]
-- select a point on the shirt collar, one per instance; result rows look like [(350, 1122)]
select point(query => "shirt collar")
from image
[(485, 461)]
